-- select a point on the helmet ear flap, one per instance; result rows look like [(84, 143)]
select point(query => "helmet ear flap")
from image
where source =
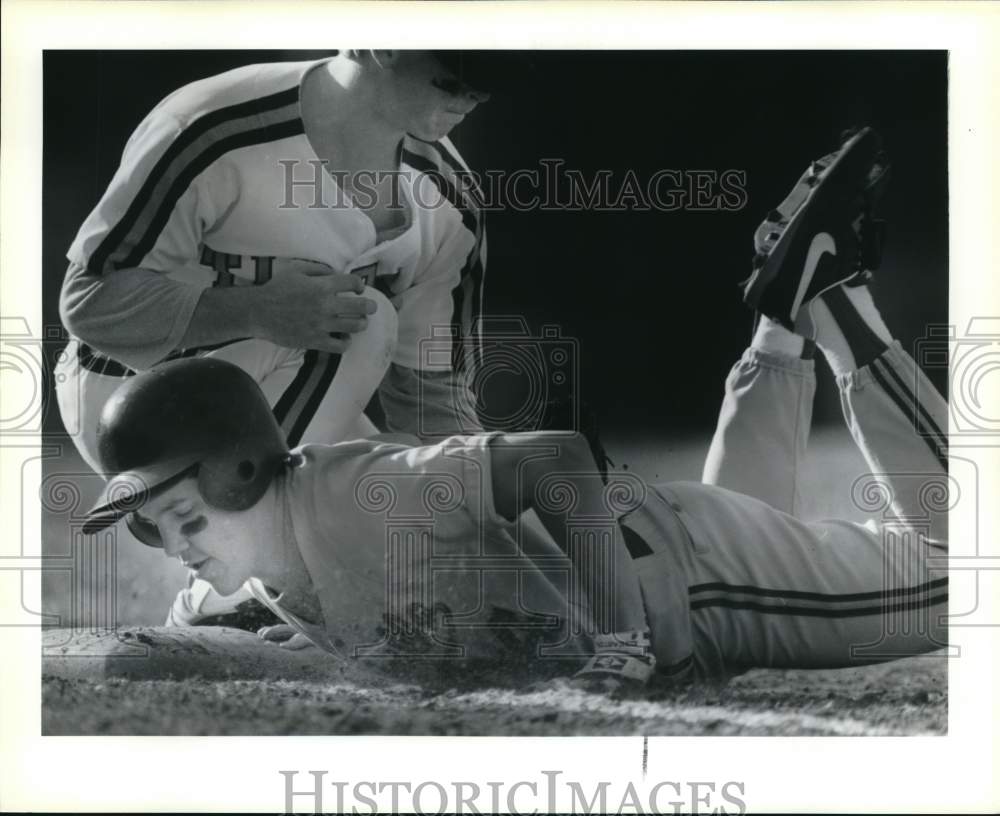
[(234, 482)]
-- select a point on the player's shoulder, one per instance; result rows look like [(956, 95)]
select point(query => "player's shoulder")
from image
[(247, 90), (327, 480)]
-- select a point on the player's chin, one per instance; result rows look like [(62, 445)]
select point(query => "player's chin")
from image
[(436, 128), (225, 584)]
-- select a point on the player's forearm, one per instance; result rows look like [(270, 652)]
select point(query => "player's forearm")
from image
[(526, 465), (139, 316), (224, 314), (555, 475), (133, 315)]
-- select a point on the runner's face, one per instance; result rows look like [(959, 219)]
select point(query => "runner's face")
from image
[(428, 99), (218, 545)]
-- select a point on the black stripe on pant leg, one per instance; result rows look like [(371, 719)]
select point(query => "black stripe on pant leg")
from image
[(928, 419), (296, 408), (794, 594), (287, 399), (908, 411), (331, 364), (814, 612), (890, 379)]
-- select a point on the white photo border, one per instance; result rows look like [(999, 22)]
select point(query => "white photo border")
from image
[(947, 773)]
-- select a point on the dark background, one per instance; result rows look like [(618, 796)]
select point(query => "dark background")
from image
[(650, 297)]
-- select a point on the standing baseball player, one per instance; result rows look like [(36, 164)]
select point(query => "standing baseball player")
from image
[(298, 220), (694, 579)]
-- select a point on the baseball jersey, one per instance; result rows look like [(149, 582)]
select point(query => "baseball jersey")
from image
[(409, 558), (220, 179)]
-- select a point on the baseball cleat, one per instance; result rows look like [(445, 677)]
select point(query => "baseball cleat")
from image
[(822, 235), (621, 661)]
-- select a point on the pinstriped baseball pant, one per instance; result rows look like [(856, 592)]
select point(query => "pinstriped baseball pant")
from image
[(734, 580)]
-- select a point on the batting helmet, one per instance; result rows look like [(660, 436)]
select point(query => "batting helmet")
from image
[(488, 70), (197, 412)]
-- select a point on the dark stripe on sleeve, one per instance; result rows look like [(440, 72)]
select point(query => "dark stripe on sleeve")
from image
[(271, 133), (184, 140)]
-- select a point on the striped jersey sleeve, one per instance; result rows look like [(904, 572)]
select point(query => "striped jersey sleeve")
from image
[(152, 214)]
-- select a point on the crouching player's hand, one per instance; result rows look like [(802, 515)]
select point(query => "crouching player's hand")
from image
[(285, 636)]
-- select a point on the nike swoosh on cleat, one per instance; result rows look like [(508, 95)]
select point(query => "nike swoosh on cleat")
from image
[(822, 244)]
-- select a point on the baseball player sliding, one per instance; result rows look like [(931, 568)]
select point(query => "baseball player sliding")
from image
[(371, 548), (302, 221)]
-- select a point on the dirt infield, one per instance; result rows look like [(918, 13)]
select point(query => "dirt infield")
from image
[(846, 703), (100, 685)]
